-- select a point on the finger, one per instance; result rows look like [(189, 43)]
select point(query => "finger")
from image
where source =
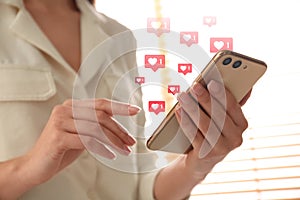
[(196, 114), (116, 143), (231, 106), (201, 146), (94, 130), (245, 98), (212, 107), (108, 106), (72, 142), (189, 129), (96, 147), (113, 126), (105, 120), (204, 123)]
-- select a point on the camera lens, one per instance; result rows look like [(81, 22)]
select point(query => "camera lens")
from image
[(237, 64), (227, 61)]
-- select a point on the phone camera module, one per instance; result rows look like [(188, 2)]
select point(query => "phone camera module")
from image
[(237, 64), (227, 61)]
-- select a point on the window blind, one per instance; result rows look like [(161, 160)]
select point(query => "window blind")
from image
[(267, 165)]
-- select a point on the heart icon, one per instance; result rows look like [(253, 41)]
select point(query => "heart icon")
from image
[(138, 80), (183, 68), (172, 89), (218, 44), (187, 37), (155, 106), (208, 20), (156, 25), (152, 61)]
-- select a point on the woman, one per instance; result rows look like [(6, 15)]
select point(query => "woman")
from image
[(42, 45)]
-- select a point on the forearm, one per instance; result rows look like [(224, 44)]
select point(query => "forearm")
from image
[(176, 181), (13, 178)]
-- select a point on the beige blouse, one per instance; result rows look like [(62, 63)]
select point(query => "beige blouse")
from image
[(34, 78)]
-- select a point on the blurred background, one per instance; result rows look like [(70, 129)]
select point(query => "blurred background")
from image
[(267, 165)]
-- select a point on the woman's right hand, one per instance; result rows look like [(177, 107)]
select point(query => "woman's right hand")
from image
[(74, 126)]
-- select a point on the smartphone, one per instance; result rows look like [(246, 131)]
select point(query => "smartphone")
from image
[(237, 72)]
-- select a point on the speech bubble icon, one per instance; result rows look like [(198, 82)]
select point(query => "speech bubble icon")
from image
[(139, 80), (217, 44), (156, 106), (158, 26), (155, 62), (189, 38), (209, 20), (173, 89), (185, 68)]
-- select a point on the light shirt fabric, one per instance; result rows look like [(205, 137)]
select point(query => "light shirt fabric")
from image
[(34, 78)]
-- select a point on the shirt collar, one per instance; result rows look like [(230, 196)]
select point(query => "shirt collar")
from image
[(15, 3), (91, 33)]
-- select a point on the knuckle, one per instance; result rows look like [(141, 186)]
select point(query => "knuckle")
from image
[(58, 110), (237, 142), (57, 123), (245, 124), (68, 102), (100, 103), (57, 116), (101, 115)]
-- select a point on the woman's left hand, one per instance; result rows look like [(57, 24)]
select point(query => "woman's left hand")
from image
[(219, 122)]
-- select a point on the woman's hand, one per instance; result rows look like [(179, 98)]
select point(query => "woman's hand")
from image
[(74, 126), (215, 129)]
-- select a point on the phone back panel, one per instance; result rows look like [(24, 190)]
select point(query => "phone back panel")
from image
[(239, 80)]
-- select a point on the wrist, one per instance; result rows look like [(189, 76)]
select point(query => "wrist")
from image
[(197, 170), (14, 179)]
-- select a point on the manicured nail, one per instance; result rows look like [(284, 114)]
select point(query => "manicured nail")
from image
[(178, 111), (131, 140), (198, 89), (134, 109), (127, 149), (214, 87), (183, 98), (111, 156)]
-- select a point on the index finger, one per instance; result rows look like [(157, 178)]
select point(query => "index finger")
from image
[(108, 106), (232, 107)]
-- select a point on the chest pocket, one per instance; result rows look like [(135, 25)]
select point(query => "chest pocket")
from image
[(22, 83)]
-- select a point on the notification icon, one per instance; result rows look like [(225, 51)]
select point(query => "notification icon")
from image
[(173, 89), (155, 62), (185, 68), (139, 80), (158, 26), (156, 106), (217, 44), (209, 20), (188, 38)]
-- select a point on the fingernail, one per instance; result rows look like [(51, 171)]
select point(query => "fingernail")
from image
[(134, 109), (111, 156), (198, 89), (183, 98), (131, 140), (214, 87), (127, 149), (178, 111)]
